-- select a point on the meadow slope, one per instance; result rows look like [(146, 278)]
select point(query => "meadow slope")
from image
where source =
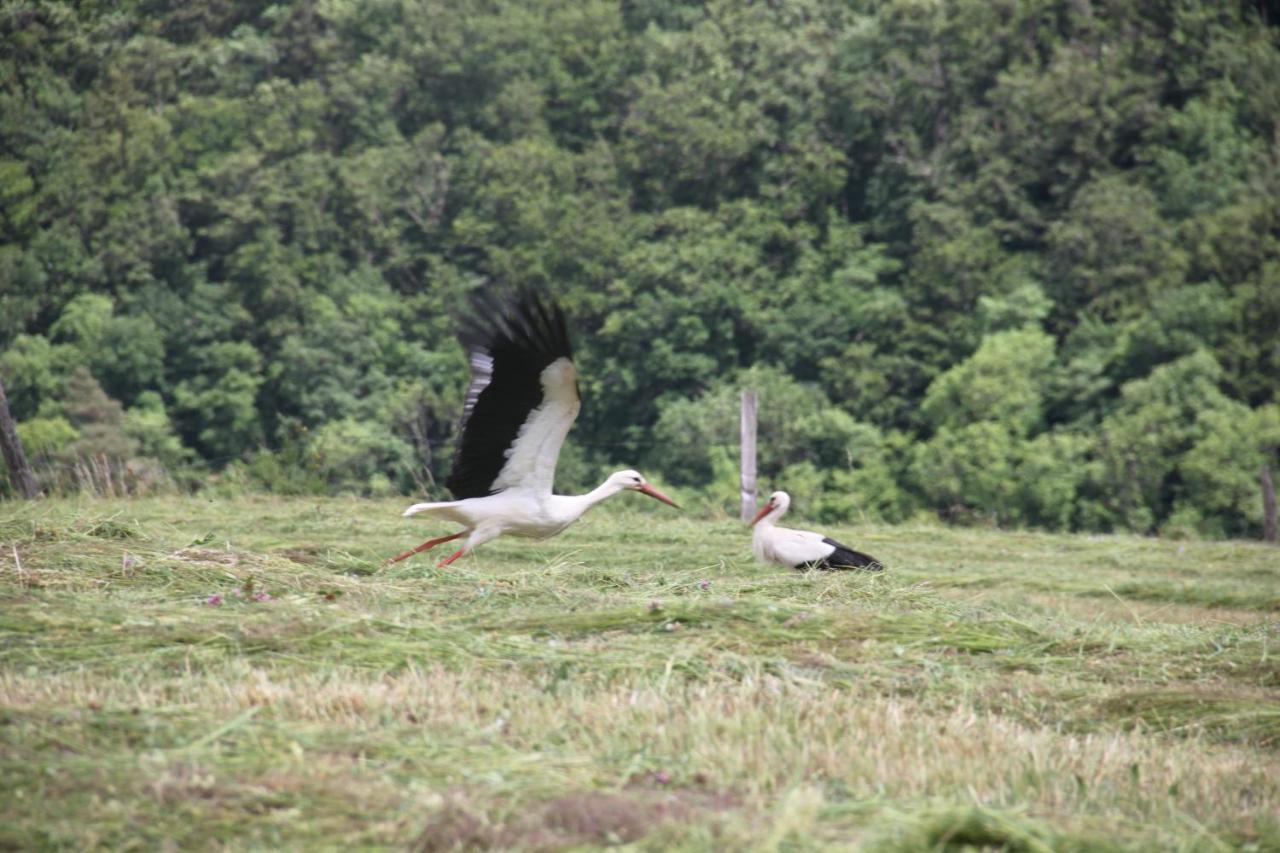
[(244, 673)]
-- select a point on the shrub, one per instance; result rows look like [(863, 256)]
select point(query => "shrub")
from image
[(359, 456)]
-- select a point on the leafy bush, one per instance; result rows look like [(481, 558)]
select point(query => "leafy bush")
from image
[(1221, 472), (1135, 477), (969, 472), (1002, 382), (356, 456), (147, 423), (46, 438)]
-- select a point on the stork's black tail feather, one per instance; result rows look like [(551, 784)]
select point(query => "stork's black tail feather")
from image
[(844, 558)]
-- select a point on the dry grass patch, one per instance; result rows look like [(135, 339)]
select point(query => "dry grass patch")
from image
[(580, 818), (1248, 716)]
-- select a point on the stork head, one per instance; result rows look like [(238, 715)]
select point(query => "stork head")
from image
[(636, 482), (777, 505)]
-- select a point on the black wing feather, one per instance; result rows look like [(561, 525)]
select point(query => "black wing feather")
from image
[(844, 557), (510, 339)]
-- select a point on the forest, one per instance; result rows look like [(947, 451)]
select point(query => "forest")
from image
[(1006, 263)]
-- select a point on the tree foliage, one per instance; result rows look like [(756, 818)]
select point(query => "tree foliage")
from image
[(1001, 261)]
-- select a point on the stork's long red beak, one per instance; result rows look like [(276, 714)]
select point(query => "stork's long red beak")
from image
[(649, 490), (764, 510)]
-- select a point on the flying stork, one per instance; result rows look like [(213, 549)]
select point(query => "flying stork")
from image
[(521, 403), (801, 549)]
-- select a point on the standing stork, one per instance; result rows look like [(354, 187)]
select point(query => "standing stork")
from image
[(801, 549), (521, 403)]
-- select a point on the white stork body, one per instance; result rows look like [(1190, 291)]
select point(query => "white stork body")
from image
[(523, 512), (522, 401), (801, 549)]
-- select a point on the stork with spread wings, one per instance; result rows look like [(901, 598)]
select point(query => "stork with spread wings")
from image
[(522, 401)]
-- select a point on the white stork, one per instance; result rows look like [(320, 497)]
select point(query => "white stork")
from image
[(522, 401), (801, 549)]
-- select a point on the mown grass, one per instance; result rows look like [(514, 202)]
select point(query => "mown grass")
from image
[(636, 681)]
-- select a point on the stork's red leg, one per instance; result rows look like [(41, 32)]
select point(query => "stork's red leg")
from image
[(456, 555), (430, 543)]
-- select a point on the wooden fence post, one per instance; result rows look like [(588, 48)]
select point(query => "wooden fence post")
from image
[(748, 454), (1268, 504), (11, 446)]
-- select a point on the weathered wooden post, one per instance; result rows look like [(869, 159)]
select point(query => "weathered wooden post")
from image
[(748, 433), (11, 446), (1268, 504)]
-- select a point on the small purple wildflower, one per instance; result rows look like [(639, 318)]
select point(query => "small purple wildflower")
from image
[(704, 584), (261, 596), (214, 600)]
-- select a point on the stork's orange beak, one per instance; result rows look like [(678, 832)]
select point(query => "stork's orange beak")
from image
[(649, 490), (764, 510)]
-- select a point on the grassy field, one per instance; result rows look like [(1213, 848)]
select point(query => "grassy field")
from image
[(638, 680)]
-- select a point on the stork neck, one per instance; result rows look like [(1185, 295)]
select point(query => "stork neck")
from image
[(579, 504), (604, 491)]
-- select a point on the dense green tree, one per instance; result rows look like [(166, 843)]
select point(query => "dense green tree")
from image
[(1003, 382), (1221, 472), (216, 406), (1137, 476)]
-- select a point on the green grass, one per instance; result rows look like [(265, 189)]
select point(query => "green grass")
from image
[(637, 681)]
